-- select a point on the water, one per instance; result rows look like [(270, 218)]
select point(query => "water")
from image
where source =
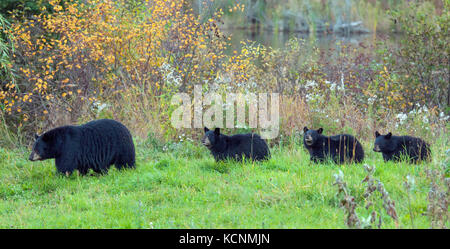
[(277, 40)]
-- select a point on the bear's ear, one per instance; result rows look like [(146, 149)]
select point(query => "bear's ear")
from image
[(377, 134), (217, 131), (206, 129), (305, 129), (389, 135), (320, 130), (36, 136)]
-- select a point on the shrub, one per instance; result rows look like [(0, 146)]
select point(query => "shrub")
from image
[(419, 65), (79, 58)]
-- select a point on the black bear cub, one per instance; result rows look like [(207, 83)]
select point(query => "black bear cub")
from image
[(95, 145), (250, 146), (340, 148), (396, 148)]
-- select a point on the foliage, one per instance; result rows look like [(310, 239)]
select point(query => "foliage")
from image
[(27, 7), (75, 62), (6, 49), (439, 194), (350, 204), (420, 64), (71, 60)]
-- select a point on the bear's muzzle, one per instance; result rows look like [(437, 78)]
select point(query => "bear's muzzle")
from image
[(206, 142), (34, 156), (308, 140), (377, 148)]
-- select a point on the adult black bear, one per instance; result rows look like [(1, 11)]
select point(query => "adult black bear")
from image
[(340, 148), (397, 147), (250, 146), (95, 145)]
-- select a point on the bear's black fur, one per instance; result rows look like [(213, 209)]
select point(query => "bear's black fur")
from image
[(397, 147), (340, 148), (95, 145), (250, 146)]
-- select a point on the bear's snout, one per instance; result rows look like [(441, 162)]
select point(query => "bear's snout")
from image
[(206, 142), (309, 140), (34, 156), (377, 148)]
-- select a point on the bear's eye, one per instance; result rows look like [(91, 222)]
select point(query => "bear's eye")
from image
[(42, 148)]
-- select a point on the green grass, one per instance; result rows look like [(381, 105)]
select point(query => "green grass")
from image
[(184, 188)]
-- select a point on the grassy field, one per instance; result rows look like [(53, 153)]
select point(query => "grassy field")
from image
[(182, 187)]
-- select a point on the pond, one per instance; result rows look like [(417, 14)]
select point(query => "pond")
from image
[(277, 40)]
